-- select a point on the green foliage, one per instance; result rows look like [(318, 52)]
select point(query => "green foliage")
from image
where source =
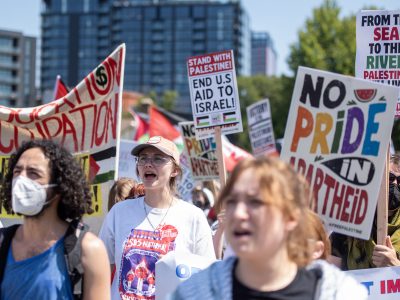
[(279, 92), (327, 42), (166, 100)]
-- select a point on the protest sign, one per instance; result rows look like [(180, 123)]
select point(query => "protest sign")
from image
[(378, 48), (174, 268), (186, 183), (214, 93), (382, 283), (127, 162), (260, 128), (201, 153), (86, 122), (339, 142)]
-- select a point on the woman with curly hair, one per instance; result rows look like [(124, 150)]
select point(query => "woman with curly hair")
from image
[(47, 187), (266, 204)]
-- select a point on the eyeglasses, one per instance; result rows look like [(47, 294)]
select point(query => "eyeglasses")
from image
[(154, 160), (393, 177)]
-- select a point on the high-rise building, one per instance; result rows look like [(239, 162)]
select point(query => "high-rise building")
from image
[(17, 69), (263, 54), (159, 36)]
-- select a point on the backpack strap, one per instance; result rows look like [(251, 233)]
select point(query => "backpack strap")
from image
[(73, 253), (6, 236)]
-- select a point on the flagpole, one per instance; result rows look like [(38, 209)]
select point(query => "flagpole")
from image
[(382, 214), (220, 157)]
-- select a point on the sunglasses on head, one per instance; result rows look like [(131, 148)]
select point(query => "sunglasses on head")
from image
[(392, 177)]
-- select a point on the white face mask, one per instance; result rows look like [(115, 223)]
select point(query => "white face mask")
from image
[(28, 196)]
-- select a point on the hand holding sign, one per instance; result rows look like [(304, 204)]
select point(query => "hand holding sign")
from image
[(385, 255)]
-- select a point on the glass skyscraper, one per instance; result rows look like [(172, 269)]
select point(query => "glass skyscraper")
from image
[(263, 54), (17, 69), (159, 36)]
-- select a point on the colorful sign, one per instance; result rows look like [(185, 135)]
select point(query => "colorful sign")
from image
[(214, 93), (86, 122), (260, 128), (338, 137), (378, 47), (382, 283), (201, 154)]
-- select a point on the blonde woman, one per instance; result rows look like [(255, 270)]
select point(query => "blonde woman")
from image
[(138, 232), (266, 224)]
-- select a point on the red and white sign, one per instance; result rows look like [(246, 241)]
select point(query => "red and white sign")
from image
[(378, 47), (214, 93)]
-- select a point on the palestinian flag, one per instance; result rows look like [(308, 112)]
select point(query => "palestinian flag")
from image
[(202, 121), (60, 89), (160, 125), (141, 127), (229, 116)]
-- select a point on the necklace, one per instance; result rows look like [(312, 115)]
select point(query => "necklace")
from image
[(147, 215)]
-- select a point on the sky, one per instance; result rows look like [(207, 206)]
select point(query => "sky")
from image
[(281, 19)]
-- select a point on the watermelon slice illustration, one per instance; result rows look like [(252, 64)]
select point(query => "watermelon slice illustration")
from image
[(365, 95)]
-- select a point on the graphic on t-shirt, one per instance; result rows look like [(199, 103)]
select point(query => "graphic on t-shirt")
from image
[(142, 249)]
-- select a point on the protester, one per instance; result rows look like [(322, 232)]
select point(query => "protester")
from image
[(139, 232), (124, 188), (214, 187), (350, 253), (201, 199), (266, 225), (46, 185)]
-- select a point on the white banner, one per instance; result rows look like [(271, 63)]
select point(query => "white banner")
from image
[(382, 283), (86, 122)]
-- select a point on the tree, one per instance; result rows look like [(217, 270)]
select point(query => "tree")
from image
[(327, 42), (279, 92), (168, 99)]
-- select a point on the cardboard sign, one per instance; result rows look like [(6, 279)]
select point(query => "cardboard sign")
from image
[(260, 128), (214, 93), (382, 283), (378, 47), (337, 135), (201, 154), (86, 122), (174, 268)]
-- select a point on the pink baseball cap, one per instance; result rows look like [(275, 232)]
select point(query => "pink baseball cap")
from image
[(164, 145)]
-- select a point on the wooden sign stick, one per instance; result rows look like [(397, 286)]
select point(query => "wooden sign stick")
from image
[(382, 214), (220, 157)]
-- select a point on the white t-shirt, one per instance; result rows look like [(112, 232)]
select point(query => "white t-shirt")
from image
[(134, 247)]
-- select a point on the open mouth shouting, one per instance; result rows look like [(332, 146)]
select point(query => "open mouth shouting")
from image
[(241, 234), (150, 175)]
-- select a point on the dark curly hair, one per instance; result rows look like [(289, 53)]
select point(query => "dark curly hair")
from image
[(66, 173)]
